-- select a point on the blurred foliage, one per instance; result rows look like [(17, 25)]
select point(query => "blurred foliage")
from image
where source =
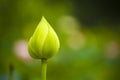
[(88, 31)]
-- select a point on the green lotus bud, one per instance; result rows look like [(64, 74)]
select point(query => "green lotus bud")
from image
[(44, 43)]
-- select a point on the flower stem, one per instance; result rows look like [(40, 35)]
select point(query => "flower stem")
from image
[(43, 69), (11, 70)]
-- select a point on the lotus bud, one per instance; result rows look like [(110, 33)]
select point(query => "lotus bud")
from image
[(44, 42)]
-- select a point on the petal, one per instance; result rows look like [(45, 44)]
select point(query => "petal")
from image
[(32, 52), (51, 44), (39, 37)]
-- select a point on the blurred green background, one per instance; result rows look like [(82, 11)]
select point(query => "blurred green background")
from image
[(89, 32)]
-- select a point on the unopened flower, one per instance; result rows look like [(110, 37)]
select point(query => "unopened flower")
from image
[(44, 43)]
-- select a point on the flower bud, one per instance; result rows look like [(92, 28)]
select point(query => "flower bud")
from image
[(44, 43)]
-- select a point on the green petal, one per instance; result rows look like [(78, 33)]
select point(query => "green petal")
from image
[(51, 44), (32, 52), (39, 37)]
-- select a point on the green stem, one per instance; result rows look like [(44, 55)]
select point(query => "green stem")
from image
[(11, 69), (43, 69)]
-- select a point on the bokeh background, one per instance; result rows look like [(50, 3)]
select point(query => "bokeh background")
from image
[(89, 32)]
